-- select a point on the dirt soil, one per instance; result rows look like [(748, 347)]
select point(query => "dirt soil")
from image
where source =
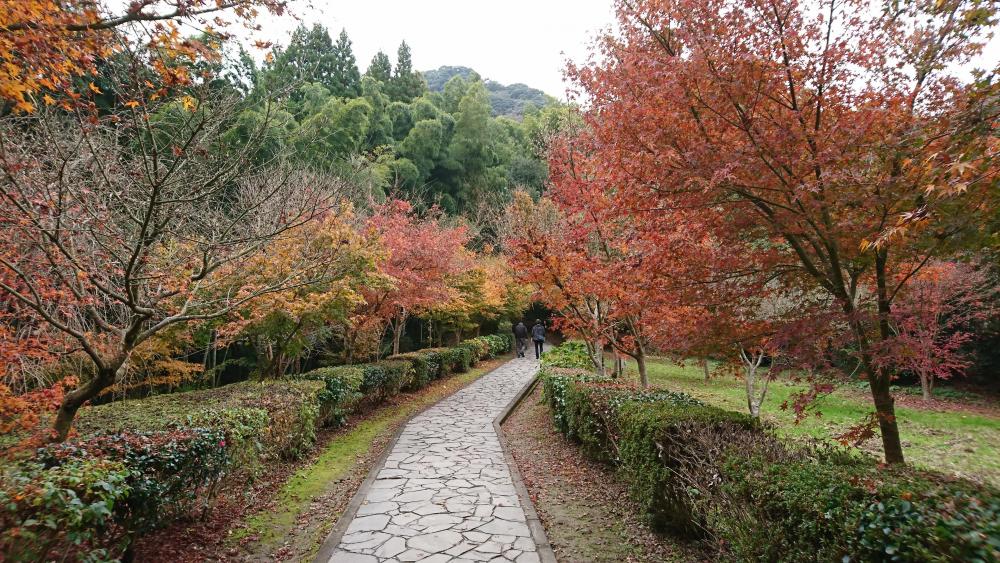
[(585, 510)]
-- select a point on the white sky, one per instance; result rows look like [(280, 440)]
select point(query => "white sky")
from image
[(508, 41)]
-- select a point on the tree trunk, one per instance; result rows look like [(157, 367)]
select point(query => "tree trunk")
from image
[(926, 385), (397, 331), (640, 360), (76, 398), (704, 366), (879, 382), (750, 365)]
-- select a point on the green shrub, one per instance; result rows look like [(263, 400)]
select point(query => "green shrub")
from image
[(555, 384), (462, 358), (341, 394), (478, 349), (171, 474), (449, 359), (52, 513), (267, 418), (701, 471), (569, 354), (501, 343), (373, 384), (424, 369), (824, 507), (399, 375)]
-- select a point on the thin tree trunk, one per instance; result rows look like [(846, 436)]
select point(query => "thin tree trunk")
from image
[(640, 360), (751, 363), (397, 330), (878, 381), (926, 385), (704, 367)]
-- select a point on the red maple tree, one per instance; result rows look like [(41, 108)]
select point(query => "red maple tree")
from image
[(804, 131)]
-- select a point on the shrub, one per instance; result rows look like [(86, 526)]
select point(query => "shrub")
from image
[(462, 358), (48, 513), (374, 382), (424, 369), (341, 393), (399, 374), (478, 349), (825, 507), (449, 359), (268, 418), (171, 473), (501, 344), (701, 471), (570, 354), (555, 384)]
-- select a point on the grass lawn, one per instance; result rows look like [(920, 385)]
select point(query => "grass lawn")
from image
[(948, 438)]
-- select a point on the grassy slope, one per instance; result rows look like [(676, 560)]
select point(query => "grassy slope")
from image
[(338, 459), (957, 442)]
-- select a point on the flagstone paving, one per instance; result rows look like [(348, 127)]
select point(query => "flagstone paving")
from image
[(445, 493)]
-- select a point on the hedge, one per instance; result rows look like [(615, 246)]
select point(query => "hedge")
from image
[(260, 419), (140, 464), (703, 472), (341, 394)]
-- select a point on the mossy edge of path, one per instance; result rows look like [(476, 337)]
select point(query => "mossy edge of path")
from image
[(339, 458)]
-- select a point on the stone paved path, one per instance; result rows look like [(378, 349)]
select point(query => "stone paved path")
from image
[(445, 493)]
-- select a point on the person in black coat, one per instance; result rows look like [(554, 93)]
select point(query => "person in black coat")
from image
[(521, 334), (538, 337)]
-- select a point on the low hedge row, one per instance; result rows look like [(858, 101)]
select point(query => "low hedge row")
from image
[(140, 464), (703, 472)]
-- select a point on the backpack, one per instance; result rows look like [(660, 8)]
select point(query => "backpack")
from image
[(538, 333)]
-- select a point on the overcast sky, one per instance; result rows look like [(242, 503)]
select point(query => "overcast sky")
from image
[(505, 40), (508, 41)]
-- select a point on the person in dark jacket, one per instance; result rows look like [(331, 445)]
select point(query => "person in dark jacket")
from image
[(538, 337), (521, 334), (514, 344)]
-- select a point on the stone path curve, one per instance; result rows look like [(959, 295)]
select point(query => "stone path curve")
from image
[(445, 493)]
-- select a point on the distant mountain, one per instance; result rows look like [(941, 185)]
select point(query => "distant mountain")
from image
[(506, 99)]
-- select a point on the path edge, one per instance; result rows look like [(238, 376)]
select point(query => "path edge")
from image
[(329, 545), (542, 546)]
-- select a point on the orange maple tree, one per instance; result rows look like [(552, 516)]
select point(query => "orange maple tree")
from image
[(47, 45)]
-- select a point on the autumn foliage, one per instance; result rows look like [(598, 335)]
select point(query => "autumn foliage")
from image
[(748, 169)]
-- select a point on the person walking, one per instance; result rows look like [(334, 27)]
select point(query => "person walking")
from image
[(521, 334), (538, 336), (514, 343)]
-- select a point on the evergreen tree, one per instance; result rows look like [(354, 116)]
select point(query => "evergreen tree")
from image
[(309, 57), (406, 84), (346, 76), (380, 68)]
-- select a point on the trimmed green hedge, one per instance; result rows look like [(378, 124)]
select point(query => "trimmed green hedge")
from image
[(341, 394), (703, 472)]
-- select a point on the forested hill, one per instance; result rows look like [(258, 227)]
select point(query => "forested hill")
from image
[(505, 99)]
